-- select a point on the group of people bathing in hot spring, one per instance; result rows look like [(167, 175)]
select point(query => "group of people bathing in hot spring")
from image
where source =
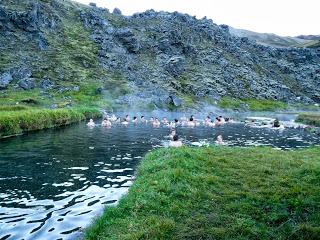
[(155, 122)]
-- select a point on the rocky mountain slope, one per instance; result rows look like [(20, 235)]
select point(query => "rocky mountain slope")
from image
[(269, 39), (56, 52)]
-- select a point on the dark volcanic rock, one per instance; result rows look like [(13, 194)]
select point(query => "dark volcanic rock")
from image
[(174, 101), (99, 91), (21, 73), (46, 84), (5, 80), (117, 11), (127, 38), (27, 84), (175, 66)]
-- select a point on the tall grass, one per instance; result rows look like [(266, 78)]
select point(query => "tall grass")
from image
[(219, 193), (16, 122), (309, 118)]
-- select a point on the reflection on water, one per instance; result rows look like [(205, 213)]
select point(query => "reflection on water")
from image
[(53, 182)]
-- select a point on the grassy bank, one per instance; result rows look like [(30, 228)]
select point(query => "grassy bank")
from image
[(219, 193), (309, 118), (18, 119)]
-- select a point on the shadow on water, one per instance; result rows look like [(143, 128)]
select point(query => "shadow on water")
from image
[(53, 182)]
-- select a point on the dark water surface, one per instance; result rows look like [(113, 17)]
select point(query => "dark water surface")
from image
[(52, 183)]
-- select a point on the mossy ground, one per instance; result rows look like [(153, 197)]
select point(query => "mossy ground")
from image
[(219, 193), (309, 118), (19, 119)]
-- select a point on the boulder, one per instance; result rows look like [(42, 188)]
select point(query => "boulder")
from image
[(5, 80), (99, 90), (46, 84), (27, 83), (20, 73), (174, 100), (117, 11)]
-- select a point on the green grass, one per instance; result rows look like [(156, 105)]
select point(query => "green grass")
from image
[(219, 193), (17, 122), (309, 118), (252, 104), (13, 108)]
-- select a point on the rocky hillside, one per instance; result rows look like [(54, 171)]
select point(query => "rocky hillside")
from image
[(269, 39), (59, 53)]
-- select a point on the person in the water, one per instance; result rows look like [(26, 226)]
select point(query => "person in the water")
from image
[(135, 120), (175, 142), (172, 134), (175, 123), (106, 123), (165, 121), (156, 123), (219, 140), (218, 121), (207, 121), (276, 123), (91, 123), (118, 120), (125, 122), (127, 118), (191, 122), (143, 119), (222, 120)]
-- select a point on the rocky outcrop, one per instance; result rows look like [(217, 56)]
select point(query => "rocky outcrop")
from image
[(201, 59)]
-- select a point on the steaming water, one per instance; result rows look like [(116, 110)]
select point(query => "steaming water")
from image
[(52, 183)]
